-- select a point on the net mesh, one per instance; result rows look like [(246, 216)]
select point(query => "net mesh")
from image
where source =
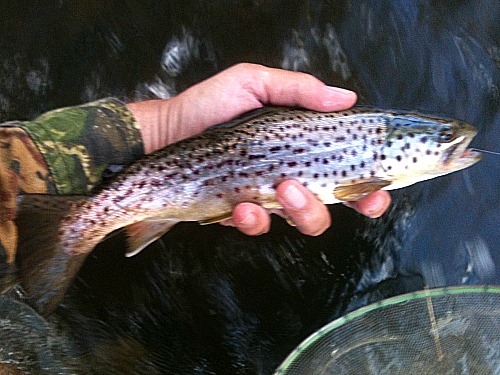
[(439, 331)]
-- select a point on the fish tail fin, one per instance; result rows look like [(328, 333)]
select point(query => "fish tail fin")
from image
[(45, 270)]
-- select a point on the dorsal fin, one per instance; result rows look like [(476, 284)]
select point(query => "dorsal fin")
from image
[(247, 116)]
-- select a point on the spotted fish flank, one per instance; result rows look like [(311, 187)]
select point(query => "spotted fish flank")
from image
[(339, 156)]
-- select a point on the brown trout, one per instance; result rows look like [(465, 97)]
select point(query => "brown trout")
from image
[(340, 156)]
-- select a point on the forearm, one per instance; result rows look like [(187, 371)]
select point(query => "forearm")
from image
[(79, 143)]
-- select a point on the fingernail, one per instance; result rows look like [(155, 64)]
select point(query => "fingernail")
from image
[(339, 91), (248, 221), (336, 98), (294, 198)]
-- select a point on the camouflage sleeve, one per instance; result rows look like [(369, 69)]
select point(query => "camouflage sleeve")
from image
[(79, 143), (64, 151)]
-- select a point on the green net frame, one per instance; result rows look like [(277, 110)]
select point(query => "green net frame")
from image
[(437, 331)]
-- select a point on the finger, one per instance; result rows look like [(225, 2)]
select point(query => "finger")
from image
[(373, 205), (251, 219), (286, 88), (245, 86), (309, 215)]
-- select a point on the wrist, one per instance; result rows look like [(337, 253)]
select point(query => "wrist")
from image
[(152, 117)]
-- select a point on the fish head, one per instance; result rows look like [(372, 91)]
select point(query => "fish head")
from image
[(418, 148)]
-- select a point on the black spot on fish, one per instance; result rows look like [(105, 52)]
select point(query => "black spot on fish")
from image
[(344, 173), (414, 159), (255, 157), (353, 167), (292, 163), (399, 158), (275, 149), (382, 157)]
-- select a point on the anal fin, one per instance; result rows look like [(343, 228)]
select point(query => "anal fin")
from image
[(143, 233), (359, 190)]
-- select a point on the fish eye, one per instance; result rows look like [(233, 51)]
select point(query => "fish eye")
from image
[(446, 135)]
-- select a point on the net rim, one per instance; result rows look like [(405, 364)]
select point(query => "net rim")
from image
[(292, 357)]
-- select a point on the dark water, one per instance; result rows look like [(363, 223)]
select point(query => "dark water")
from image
[(210, 300)]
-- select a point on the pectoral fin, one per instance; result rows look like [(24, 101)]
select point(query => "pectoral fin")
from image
[(143, 233), (357, 191)]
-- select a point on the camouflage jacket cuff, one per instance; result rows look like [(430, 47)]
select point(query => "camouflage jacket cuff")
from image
[(80, 143)]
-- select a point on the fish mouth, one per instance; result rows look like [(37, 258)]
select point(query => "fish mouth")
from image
[(458, 156)]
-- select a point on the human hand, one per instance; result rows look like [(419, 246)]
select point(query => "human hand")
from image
[(237, 90)]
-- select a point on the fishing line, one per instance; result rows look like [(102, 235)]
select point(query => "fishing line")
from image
[(486, 151)]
